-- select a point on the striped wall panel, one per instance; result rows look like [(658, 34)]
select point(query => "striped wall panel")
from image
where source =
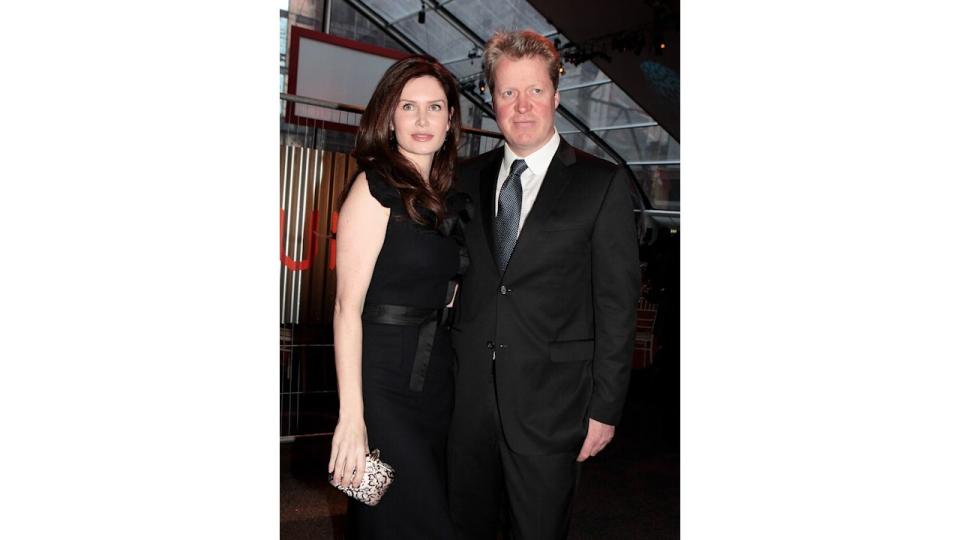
[(310, 183)]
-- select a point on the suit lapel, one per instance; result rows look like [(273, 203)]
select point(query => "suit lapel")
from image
[(487, 191), (554, 182)]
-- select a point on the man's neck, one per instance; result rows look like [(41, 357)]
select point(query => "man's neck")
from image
[(529, 153), (522, 155)]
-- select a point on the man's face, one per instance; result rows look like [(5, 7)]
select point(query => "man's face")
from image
[(525, 101)]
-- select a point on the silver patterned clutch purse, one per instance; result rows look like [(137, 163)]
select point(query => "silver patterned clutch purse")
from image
[(376, 479)]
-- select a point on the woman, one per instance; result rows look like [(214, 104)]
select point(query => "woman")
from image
[(397, 259)]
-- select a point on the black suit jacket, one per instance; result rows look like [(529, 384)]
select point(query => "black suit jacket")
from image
[(562, 318)]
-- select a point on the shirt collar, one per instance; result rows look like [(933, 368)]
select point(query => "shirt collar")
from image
[(539, 161)]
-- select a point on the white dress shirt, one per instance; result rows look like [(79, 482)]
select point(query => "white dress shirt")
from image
[(531, 179)]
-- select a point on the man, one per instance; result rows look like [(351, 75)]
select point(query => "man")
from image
[(544, 330)]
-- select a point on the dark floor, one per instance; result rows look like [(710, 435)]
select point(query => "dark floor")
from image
[(631, 490)]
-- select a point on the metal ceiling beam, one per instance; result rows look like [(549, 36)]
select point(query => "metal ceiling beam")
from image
[(626, 126), (583, 85), (655, 162)]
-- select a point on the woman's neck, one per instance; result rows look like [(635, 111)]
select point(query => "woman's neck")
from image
[(421, 162)]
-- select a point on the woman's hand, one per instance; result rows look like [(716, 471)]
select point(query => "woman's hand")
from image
[(348, 452)]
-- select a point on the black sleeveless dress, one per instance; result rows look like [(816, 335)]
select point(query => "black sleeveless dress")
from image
[(407, 368)]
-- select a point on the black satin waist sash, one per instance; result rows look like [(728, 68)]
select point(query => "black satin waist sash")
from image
[(428, 319)]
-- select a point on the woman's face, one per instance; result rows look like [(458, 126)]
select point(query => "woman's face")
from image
[(422, 118)]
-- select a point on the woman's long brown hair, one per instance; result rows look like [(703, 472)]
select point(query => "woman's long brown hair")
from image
[(377, 150)]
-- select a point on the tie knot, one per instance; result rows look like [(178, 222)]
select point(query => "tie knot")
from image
[(517, 167)]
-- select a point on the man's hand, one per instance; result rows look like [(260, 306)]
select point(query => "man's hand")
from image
[(599, 436)]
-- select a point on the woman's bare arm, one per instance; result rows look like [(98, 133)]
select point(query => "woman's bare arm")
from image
[(360, 231)]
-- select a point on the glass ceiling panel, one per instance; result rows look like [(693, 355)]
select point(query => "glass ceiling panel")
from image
[(582, 142), (584, 73), (485, 17), (436, 37), (392, 10), (349, 23), (464, 68), (603, 105), (563, 125), (642, 144)]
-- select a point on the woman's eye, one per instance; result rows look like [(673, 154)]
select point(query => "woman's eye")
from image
[(407, 107), (436, 107)]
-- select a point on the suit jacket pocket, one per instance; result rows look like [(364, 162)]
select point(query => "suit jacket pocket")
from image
[(571, 351)]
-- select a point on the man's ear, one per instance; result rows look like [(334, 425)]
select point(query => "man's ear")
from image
[(556, 99)]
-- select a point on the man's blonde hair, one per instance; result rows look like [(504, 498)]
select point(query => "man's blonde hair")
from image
[(516, 45)]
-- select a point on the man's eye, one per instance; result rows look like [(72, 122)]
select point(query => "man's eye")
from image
[(507, 93), (537, 91)]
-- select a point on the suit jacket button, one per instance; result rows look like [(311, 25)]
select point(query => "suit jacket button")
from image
[(489, 344), (503, 289)]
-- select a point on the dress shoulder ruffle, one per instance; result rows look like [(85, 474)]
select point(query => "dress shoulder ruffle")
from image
[(384, 193)]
